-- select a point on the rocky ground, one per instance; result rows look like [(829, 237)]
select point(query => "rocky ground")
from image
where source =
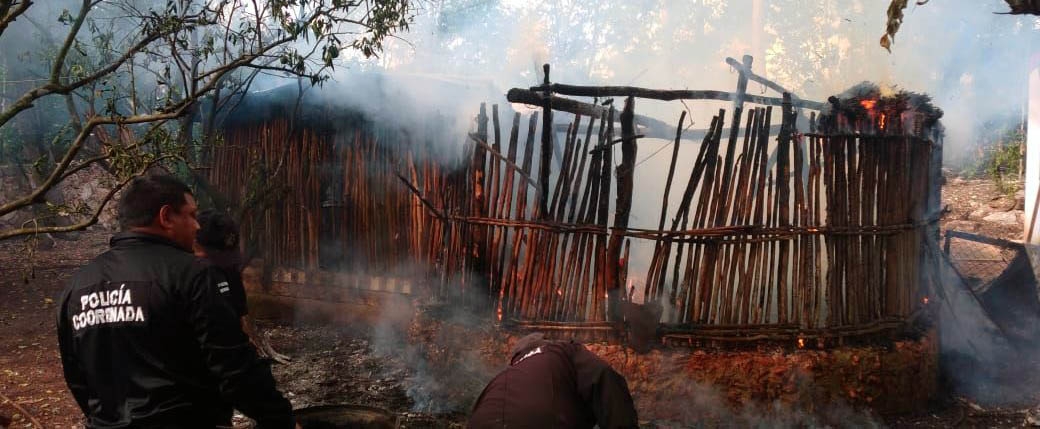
[(976, 206), (340, 366)]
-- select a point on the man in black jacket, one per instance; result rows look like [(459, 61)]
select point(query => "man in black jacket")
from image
[(554, 384), (217, 244), (146, 338)]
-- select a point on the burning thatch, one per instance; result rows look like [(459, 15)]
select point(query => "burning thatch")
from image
[(871, 108)]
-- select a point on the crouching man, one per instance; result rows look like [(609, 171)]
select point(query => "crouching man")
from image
[(554, 384), (146, 338)]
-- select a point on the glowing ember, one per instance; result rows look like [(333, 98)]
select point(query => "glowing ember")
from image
[(559, 292), (801, 343), (882, 121), (868, 104), (924, 300)]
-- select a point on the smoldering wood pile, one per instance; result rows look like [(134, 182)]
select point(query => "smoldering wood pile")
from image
[(799, 235)]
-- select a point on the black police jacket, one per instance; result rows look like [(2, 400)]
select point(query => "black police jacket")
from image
[(146, 339), (230, 265)]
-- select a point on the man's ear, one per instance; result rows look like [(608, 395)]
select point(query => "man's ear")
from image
[(165, 217)]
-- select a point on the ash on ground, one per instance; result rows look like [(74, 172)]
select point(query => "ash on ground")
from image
[(338, 366)]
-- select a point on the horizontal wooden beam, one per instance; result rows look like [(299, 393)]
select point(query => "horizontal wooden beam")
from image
[(563, 104), (661, 133), (666, 95), (650, 127)]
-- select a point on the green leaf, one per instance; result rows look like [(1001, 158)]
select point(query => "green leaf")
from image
[(65, 17)]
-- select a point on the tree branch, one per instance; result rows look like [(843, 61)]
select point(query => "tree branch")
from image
[(171, 112), (7, 15), (26, 100), (59, 60)]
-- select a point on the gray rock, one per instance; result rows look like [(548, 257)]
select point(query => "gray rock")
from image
[(1009, 218)]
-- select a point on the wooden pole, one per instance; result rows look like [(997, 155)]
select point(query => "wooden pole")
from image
[(663, 247), (701, 219), (602, 215), (574, 254), (546, 148), (748, 172), (783, 177), (666, 95), (519, 278), (683, 216), (801, 213), (622, 206), (506, 211), (588, 214)]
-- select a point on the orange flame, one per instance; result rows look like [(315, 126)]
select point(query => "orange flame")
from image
[(801, 343), (924, 300), (882, 122), (868, 104)]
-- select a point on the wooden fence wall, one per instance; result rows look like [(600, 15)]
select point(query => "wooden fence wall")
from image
[(828, 233)]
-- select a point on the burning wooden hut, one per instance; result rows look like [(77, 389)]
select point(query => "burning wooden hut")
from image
[(813, 235), (801, 224)]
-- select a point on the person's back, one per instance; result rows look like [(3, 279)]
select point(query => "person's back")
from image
[(147, 340), (216, 243), (554, 384)]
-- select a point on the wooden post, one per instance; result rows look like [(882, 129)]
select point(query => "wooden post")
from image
[(622, 207), (683, 216), (783, 176), (742, 81), (602, 215), (476, 254), (517, 280), (589, 213), (546, 148), (506, 211), (662, 249)]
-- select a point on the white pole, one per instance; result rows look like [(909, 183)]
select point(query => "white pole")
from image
[(1032, 173)]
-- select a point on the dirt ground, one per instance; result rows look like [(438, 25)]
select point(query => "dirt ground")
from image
[(329, 366)]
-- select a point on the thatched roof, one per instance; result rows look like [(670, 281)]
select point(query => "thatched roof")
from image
[(378, 98), (1024, 7)]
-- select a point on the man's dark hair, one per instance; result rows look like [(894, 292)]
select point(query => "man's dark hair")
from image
[(146, 195), (217, 231)]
